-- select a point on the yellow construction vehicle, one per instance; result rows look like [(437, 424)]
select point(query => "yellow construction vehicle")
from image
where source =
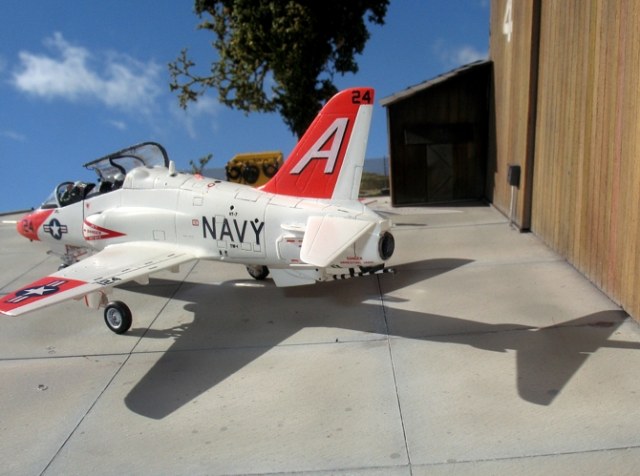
[(253, 168)]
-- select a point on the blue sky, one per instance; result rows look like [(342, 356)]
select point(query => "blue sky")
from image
[(82, 78)]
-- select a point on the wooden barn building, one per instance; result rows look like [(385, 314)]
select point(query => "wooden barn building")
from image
[(438, 137), (562, 108)]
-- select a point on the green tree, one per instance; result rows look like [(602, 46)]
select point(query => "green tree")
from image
[(198, 168), (278, 55)]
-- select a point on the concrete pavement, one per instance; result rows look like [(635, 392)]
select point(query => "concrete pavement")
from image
[(485, 354)]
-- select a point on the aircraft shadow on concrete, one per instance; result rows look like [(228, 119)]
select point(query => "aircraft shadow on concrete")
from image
[(233, 325)]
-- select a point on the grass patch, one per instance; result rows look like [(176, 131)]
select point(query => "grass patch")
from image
[(373, 185)]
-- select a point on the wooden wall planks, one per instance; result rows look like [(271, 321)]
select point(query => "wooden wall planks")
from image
[(585, 165)]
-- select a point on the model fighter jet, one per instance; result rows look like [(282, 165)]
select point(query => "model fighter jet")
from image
[(305, 225)]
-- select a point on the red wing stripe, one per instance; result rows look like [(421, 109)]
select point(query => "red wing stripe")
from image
[(36, 291)]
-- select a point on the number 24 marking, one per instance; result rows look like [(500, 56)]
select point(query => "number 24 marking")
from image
[(358, 98)]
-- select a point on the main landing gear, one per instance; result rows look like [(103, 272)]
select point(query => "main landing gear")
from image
[(258, 271), (117, 316)]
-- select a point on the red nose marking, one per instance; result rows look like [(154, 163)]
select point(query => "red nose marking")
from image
[(29, 225)]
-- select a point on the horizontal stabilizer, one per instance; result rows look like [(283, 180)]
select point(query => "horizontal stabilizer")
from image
[(326, 238)]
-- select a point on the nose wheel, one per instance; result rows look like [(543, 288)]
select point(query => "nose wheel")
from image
[(117, 316)]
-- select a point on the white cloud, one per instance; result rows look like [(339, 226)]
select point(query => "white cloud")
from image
[(469, 54), (120, 125), (204, 107), (454, 56), (68, 72), (13, 135)]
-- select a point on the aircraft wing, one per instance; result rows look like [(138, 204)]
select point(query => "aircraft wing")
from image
[(114, 265), (326, 237)]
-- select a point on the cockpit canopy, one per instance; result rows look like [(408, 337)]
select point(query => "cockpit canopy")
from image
[(111, 170), (147, 154)]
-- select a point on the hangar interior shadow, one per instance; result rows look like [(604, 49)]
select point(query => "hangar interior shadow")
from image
[(232, 327)]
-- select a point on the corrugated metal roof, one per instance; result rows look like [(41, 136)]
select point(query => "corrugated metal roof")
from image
[(410, 91)]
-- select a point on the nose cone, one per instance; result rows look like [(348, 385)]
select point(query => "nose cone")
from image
[(29, 225)]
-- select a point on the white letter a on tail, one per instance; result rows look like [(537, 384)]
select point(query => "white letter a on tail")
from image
[(335, 130), (328, 160)]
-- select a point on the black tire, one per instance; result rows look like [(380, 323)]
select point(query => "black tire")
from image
[(258, 271), (233, 172), (269, 169), (251, 174), (117, 316)]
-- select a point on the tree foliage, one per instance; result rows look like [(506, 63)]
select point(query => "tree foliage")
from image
[(278, 55), (198, 168)]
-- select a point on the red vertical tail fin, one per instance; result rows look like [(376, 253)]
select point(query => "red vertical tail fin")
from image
[(327, 162)]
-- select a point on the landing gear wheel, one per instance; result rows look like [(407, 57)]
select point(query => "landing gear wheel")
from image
[(117, 316), (258, 271)]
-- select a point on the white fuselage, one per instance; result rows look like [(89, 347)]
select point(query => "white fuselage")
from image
[(221, 220)]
